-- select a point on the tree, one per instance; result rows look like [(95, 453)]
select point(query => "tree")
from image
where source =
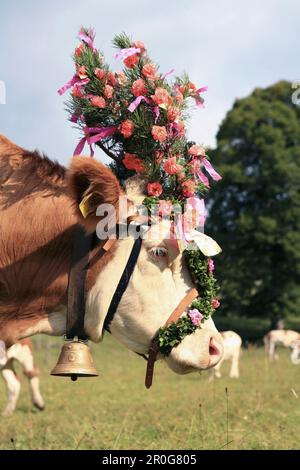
[(255, 209)]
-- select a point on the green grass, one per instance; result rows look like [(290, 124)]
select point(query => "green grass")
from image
[(115, 411)]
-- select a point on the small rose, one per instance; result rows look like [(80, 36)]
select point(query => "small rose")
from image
[(138, 87), (149, 71), (197, 151), (171, 166), (215, 303), (82, 72), (98, 101), (100, 73), (211, 266), (132, 162), (131, 61), (159, 133), (108, 91), (154, 189), (126, 128)]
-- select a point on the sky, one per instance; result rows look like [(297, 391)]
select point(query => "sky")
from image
[(231, 46)]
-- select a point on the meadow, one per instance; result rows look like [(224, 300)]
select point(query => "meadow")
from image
[(114, 411)]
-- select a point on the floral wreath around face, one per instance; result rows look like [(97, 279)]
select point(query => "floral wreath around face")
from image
[(137, 116)]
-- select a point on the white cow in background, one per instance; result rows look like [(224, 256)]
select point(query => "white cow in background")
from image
[(232, 344), (286, 338), (22, 353)]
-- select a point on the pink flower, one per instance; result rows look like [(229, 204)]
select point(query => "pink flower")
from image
[(197, 151), (180, 128), (138, 87), (188, 188), (108, 91), (161, 96), (149, 71), (195, 316), (215, 303), (171, 166), (131, 61), (211, 266), (173, 113), (98, 101), (121, 78), (164, 207), (100, 73), (82, 72), (154, 189), (159, 133), (126, 128), (140, 45)]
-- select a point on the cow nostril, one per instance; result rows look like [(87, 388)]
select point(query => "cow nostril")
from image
[(213, 348)]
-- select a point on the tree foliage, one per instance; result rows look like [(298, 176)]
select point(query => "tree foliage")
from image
[(255, 209)]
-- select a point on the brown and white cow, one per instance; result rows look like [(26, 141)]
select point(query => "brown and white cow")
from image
[(39, 214), (286, 338), (232, 344), (21, 352)]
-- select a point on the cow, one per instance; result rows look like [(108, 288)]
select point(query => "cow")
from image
[(40, 213), (286, 338), (21, 352), (232, 344)]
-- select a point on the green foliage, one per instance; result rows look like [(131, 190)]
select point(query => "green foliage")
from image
[(172, 335), (255, 209)]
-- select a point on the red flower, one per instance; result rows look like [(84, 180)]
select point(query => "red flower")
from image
[(79, 49), (131, 61), (154, 189), (149, 71), (100, 73), (159, 133), (108, 91), (138, 87), (188, 188), (126, 128), (180, 128), (178, 96), (111, 79), (98, 101), (132, 162), (76, 91), (171, 166), (82, 72)]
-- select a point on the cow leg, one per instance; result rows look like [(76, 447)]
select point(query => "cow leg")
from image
[(216, 369), (23, 354), (3, 355), (13, 388), (234, 370)]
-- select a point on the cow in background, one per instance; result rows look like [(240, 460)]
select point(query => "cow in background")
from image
[(286, 338), (232, 344), (22, 353)]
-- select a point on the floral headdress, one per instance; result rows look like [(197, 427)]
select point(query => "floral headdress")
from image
[(137, 116)]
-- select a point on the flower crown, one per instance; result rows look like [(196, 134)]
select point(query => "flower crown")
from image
[(138, 116)]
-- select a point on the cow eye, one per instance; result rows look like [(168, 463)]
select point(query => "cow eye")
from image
[(158, 252)]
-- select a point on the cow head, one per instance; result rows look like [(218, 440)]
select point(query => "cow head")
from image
[(159, 281)]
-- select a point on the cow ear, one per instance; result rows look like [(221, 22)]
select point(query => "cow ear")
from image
[(90, 184)]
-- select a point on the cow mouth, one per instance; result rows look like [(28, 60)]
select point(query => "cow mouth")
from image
[(213, 348)]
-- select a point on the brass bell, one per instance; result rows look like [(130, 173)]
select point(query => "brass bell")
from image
[(75, 360)]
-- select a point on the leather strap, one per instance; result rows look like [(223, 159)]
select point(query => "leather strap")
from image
[(76, 284), (154, 346)]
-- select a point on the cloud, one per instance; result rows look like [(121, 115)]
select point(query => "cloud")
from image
[(230, 46)]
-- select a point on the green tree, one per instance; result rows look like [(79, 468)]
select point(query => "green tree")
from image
[(255, 209)]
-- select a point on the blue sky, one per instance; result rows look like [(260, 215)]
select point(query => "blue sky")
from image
[(232, 46)]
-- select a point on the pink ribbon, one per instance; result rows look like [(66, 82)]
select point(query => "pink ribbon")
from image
[(102, 133), (124, 53), (74, 80), (167, 74), (198, 99), (88, 39), (210, 169), (132, 107), (199, 206), (156, 113)]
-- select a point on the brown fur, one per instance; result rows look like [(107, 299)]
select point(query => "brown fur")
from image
[(39, 213)]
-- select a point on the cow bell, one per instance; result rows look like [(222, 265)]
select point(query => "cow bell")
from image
[(75, 360)]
